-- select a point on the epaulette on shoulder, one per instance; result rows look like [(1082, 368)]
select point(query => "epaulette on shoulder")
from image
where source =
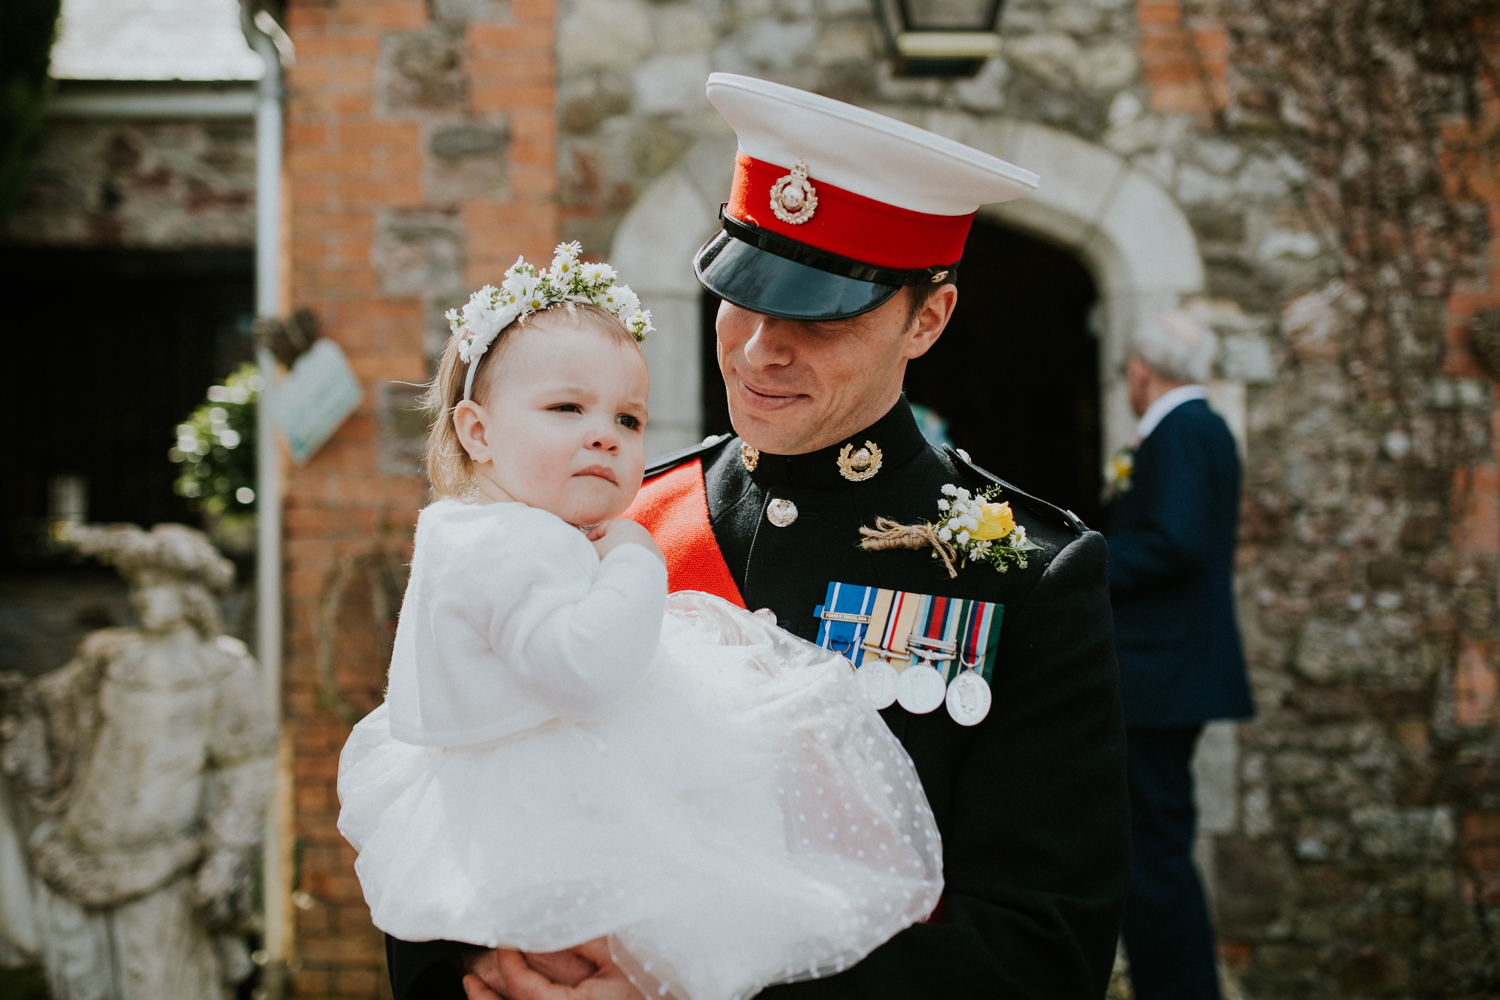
[(676, 458), (1037, 504)]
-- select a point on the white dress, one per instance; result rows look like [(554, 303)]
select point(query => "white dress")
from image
[(558, 760)]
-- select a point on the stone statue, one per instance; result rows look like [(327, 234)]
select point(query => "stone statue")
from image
[(139, 774)]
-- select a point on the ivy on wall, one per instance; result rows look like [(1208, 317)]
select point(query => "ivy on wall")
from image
[(27, 30), (1384, 101), (1391, 106)]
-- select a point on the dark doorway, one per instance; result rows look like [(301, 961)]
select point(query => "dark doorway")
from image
[(107, 352), (1016, 374), (1014, 379)]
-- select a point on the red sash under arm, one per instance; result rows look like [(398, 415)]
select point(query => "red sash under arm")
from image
[(674, 508)]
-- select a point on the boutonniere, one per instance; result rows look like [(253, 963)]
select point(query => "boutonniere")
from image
[(970, 529), (1117, 471)]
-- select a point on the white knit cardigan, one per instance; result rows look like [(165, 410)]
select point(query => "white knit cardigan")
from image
[(511, 621)]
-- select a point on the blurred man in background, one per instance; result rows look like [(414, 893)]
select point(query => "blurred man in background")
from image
[(1171, 536)]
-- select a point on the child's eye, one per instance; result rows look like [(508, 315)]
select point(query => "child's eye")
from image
[(626, 420), (566, 408)]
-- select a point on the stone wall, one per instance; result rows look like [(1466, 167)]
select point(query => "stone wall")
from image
[(1353, 828), (420, 162), (141, 183)]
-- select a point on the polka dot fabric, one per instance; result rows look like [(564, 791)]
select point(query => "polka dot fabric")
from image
[(742, 818)]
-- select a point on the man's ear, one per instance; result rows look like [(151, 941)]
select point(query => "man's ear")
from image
[(930, 321), (471, 423)]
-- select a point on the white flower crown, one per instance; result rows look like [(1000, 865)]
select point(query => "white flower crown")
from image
[(526, 290)]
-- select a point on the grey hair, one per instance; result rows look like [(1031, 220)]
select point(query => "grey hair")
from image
[(1176, 346)]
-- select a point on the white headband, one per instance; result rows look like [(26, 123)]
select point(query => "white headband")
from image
[(526, 290)]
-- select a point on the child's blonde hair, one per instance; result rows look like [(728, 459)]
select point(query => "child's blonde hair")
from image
[(450, 470)]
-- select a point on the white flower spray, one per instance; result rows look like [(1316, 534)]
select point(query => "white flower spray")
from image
[(526, 290)]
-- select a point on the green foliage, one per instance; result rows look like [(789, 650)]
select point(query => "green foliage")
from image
[(27, 29), (216, 448)]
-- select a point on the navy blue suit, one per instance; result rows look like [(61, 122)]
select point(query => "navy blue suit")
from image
[(1171, 559)]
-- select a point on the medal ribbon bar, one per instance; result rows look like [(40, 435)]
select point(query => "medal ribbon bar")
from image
[(891, 623), (845, 614), (901, 627), (934, 640), (979, 633)]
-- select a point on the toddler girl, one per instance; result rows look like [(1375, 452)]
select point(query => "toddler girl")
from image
[(566, 751)]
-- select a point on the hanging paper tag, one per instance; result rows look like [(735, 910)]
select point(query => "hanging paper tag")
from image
[(315, 399)]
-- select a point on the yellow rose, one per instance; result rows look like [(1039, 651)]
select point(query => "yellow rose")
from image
[(995, 521)]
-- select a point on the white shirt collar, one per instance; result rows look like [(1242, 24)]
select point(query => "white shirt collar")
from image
[(1166, 403)]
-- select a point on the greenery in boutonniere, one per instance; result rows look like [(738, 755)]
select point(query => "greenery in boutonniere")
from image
[(970, 529)]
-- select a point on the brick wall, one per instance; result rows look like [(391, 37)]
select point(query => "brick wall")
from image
[(1475, 534), (420, 154), (1184, 58)]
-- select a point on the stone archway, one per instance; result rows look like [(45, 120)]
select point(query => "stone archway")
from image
[(653, 251), (1116, 218)]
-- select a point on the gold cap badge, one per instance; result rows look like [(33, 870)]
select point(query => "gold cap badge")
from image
[(750, 457), (793, 199), (857, 466)]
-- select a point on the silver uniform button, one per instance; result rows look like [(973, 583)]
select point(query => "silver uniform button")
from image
[(781, 512)]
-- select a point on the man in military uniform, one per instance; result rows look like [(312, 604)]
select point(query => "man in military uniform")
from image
[(840, 243)]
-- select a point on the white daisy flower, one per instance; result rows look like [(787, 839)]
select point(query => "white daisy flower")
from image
[(629, 301), (597, 275)]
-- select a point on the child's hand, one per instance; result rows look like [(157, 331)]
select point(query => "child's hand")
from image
[(612, 534)]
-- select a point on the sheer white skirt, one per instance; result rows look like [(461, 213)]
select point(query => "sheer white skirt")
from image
[(743, 817)]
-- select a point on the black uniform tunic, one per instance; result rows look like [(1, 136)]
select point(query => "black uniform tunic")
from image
[(1031, 803)]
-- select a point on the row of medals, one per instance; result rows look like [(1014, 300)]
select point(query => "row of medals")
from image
[(919, 688)]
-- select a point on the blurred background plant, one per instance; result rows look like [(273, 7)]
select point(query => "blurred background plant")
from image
[(216, 451), (27, 28)]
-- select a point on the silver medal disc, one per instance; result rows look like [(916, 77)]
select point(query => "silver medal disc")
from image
[(877, 679), (968, 699), (920, 689)]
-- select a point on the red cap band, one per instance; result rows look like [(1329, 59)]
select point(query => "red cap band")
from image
[(849, 224)]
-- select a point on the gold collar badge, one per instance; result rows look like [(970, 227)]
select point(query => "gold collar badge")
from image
[(750, 457), (857, 466), (793, 199)]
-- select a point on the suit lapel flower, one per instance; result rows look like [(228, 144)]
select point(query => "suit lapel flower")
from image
[(1118, 470)]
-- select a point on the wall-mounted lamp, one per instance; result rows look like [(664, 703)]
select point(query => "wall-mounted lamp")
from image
[(947, 38)]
